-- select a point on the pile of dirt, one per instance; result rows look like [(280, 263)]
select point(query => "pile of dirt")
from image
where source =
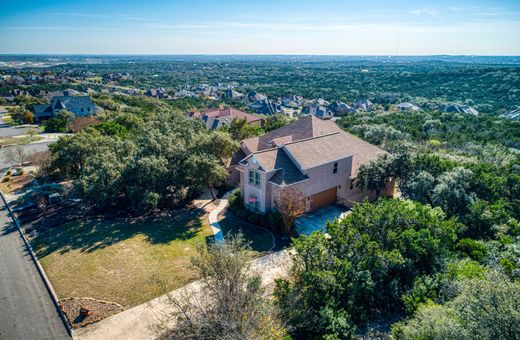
[(100, 310)]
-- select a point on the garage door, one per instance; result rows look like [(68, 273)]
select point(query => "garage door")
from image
[(323, 198)]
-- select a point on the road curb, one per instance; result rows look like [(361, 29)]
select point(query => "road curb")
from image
[(41, 271)]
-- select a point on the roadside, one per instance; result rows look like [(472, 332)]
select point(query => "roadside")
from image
[(28, 311)]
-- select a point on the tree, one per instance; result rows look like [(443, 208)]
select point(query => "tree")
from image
[(375, 175), (28, 117), (15, 155), (61, 123), (485, 309), (32, 133), (240, 129), (290, 203), (230, 303), (361, 270), (419, 187), (452, 193)]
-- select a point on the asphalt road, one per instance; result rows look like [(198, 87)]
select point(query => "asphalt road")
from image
[(10, 131), (26, 308)]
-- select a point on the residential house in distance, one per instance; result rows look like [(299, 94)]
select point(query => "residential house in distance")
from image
[(253, 96), (456, 108), (80, 106), (183, 93), (321, 112), (364, 105), (159, 93), (217, 118), (266, 107), (232, 94), (209, 92), (514, 114), (292, 101), (314, 156), (339, 108), (405, 106)]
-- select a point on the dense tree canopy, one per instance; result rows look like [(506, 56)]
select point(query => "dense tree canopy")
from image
[(156, 163), (360, 271)]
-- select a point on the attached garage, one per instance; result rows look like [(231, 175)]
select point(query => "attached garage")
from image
[(324, 198)]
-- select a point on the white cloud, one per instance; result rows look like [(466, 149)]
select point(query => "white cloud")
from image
[(424, 11)]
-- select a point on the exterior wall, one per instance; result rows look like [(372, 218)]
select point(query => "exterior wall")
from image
[(320, 179), (233, 178), (77, 112), (261, 192)]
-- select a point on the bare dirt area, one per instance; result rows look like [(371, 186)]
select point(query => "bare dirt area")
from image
[(100, 310)]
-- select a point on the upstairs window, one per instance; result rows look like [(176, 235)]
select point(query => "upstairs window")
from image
[(254, 178), (335, 168)]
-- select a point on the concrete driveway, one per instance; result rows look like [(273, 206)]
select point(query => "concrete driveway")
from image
[(315, 221)]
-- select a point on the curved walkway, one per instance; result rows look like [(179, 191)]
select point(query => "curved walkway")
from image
[(213, 216)]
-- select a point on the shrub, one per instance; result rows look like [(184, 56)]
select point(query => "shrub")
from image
[(243, 213), (254, 219), (235, 201), (275, 220), (476, 250)]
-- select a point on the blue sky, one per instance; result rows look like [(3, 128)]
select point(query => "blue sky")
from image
[(261, 27)]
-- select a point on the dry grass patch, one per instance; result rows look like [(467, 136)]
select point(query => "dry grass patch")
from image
[(127, 262)]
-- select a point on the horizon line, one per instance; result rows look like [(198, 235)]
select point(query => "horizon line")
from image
[(259, 54)]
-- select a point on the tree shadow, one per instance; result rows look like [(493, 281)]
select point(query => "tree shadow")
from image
[(94, 234)]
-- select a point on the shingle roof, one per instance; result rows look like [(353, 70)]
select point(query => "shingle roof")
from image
[(72, 102), (277, 160), (305, 144), (230, 112), (307, 127), (315, 151)]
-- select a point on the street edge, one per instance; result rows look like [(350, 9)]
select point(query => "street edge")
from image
[(41, 271)]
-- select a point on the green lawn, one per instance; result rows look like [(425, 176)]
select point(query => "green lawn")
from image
[(261, 239), (124, 262)]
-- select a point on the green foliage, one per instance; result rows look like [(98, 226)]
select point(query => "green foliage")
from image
[(452, 192), (476, 250), (365, 265), (111, 128), (485, 309), (239, 129), (61, 123), (158, 163)]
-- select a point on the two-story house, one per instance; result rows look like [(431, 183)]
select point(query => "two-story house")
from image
[(80, 106), (313, 155)]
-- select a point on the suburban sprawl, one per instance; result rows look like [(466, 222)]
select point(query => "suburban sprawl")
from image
[(365, 197)]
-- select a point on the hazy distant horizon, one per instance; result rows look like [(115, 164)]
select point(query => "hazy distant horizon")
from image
[(267, 27)]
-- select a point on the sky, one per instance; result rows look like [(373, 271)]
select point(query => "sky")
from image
[(329, 27)]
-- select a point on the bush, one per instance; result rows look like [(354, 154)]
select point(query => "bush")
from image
[(235, 201), (275, 220), (254, 219), (243, 213), (8, 173), (476, 250)]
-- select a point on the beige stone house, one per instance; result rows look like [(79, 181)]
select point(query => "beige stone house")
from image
[(313, 155)]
